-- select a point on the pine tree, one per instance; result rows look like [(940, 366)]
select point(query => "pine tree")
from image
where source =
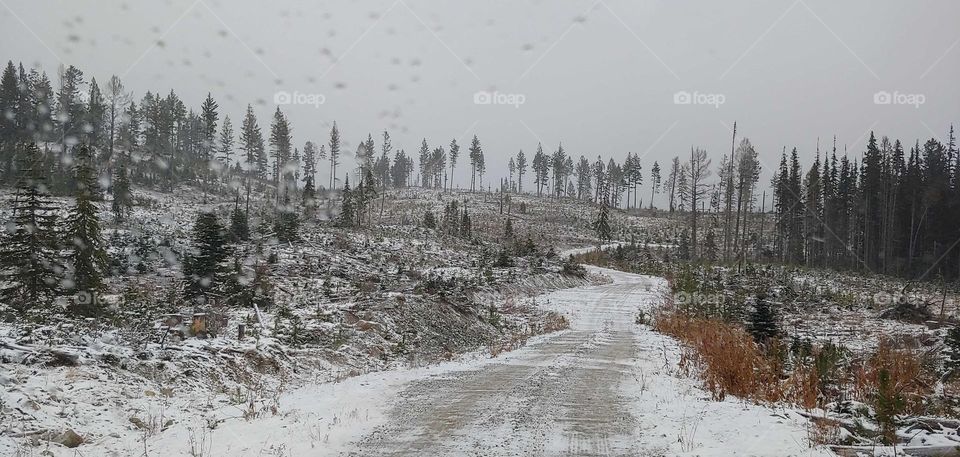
[(673, 179), (540, 169), (203, 268), (429, 220), (454, 154), (89, 258), (334, 154), (476, 154), (28, 255), (654, 181), (225, 148)]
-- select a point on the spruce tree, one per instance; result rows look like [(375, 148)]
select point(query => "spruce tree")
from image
[(70, 107), (225, 148), (347, 211), (368, 195), (208, 133), (280, 145), (888, 404), (28, 255), (95, 116), (602, 224), (763, 320), (251, 143), (9, 101), (122, 201), (429, 221), (89, 258), (239, 224), (952, 342), (309, 197), (521, 169), (710, 246), (287, 222), (310, 155), (203, 268), (465, 225)]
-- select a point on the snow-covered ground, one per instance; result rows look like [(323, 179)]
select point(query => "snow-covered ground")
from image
[(606, 386)]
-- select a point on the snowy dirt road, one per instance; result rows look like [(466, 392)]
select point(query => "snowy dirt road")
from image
[(561, 397), (605, 387)]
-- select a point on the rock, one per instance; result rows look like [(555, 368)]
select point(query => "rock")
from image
[(68, 438), (138, 422), (349, 318), (366, 326)]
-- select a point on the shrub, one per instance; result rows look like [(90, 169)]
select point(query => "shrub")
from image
[(572, 268)]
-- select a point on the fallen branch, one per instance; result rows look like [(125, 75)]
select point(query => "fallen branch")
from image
[(60, 355)]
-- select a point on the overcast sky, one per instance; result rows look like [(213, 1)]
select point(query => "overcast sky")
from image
[(600, 76)]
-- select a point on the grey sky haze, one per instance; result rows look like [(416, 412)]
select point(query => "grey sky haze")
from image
[(600, 76)]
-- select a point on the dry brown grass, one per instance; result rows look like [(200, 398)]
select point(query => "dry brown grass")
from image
[(728, 360), (724, 355), (908, 375)]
